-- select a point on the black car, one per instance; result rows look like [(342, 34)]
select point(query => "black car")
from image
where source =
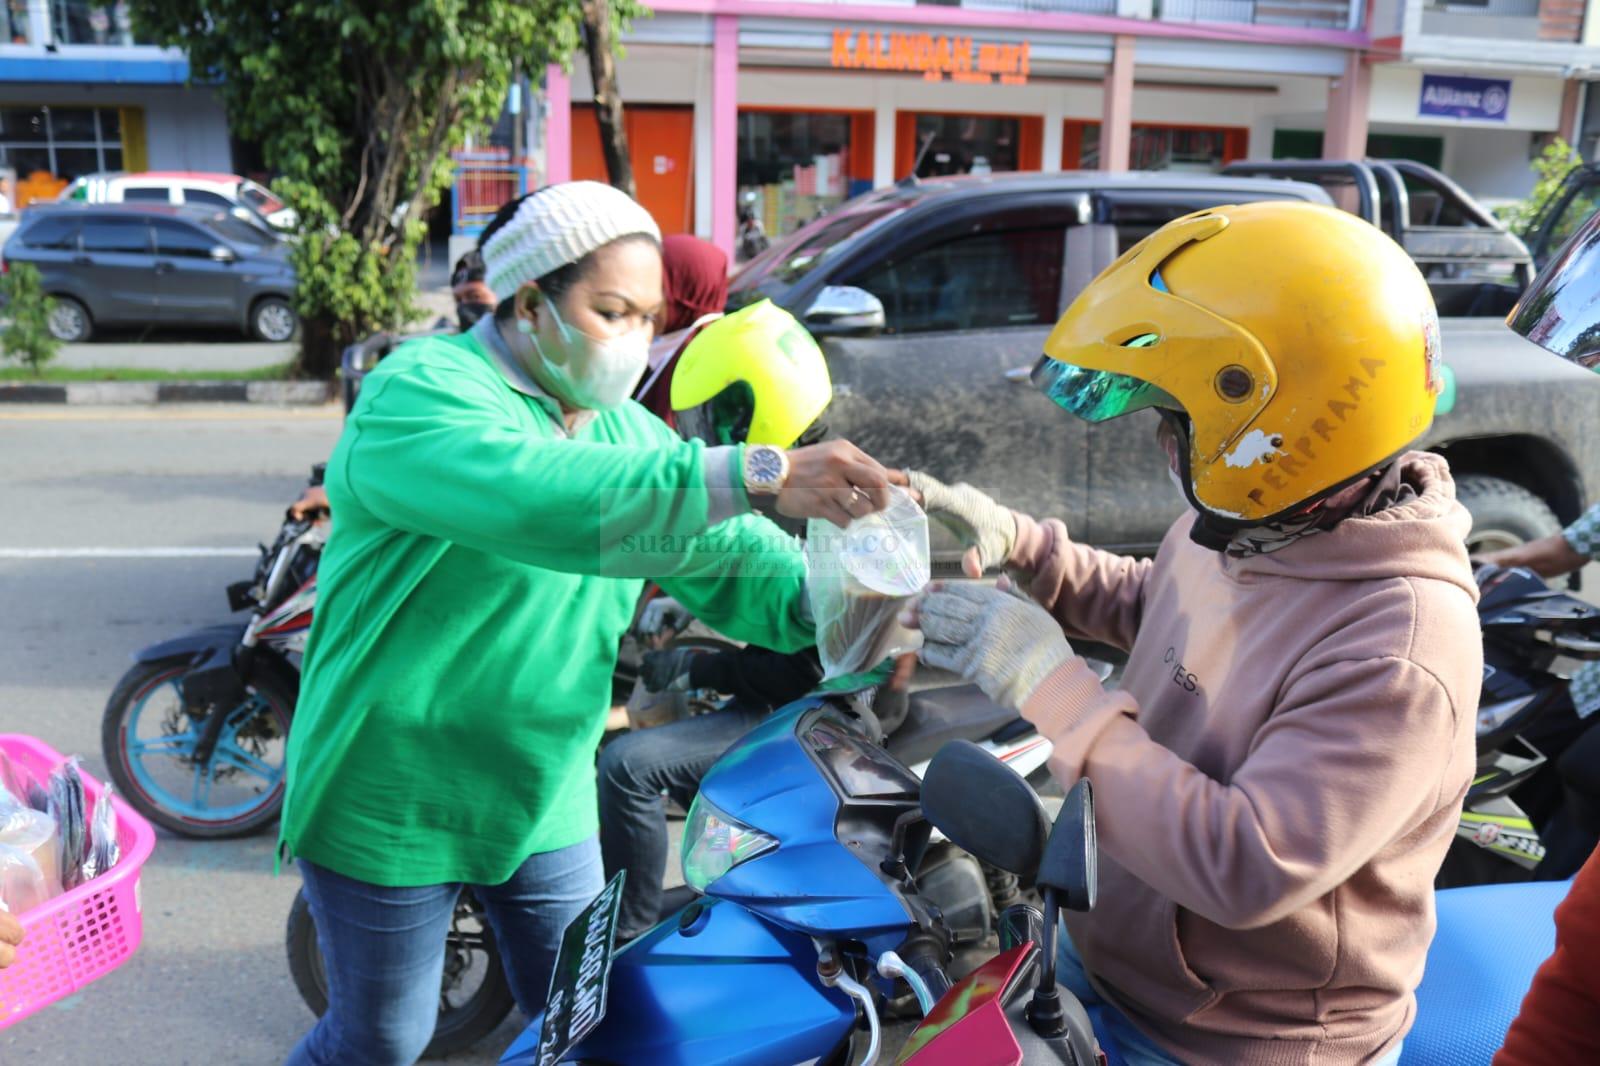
[(155, 264), (932, 301)]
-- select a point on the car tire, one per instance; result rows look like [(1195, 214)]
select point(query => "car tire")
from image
[(1504, 514), (69, 321), (273, 320)]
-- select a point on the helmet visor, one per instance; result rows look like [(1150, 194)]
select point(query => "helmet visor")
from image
[(723, 419), (1097, 395)]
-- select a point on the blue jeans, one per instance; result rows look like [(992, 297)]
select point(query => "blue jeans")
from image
[(634, 770), (1132, 1046), (383, 950)]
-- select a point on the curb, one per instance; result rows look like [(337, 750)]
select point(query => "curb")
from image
[(146, 393)]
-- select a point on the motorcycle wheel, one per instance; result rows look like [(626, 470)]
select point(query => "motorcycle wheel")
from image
[(148, 737), (474, 997)]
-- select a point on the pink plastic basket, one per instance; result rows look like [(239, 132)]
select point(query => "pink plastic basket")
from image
[(84, 934)]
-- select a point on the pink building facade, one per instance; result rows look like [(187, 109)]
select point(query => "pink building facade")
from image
[(783, 109)]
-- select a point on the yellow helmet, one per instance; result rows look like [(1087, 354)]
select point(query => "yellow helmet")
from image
[(754, 376), (1300, 341)]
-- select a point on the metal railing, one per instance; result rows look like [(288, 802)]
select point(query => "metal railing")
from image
[(485, 179), (1315, 14)]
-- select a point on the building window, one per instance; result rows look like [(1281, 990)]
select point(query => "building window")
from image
[(797, 165), (1151, 147), (48, 147), (931, 145), (77, 22)]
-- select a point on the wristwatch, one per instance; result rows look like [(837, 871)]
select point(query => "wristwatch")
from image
[(765, 470)]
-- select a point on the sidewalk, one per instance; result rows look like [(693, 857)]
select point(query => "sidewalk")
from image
[(196, 352)]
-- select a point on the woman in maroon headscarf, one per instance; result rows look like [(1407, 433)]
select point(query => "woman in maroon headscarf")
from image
[(694, 281)]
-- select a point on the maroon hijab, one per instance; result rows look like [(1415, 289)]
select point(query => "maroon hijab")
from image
[(694, 280)]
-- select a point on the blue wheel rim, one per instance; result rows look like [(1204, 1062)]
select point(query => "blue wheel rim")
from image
[(196, 805)]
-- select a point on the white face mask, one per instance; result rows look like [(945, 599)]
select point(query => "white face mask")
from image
[(595, 375)]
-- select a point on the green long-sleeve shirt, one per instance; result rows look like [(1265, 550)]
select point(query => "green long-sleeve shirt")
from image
[(482, 568)]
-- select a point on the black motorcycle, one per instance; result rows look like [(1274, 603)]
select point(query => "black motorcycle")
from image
[(1531, 813)]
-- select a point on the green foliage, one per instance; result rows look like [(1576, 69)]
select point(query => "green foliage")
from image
[(356, 106), (1551, 168), (25, 334)]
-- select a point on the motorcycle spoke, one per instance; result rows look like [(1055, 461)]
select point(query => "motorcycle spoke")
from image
[(173, 744), (202, 785), (239, 759)]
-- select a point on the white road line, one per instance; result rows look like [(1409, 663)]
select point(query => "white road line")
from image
[(129, 553)]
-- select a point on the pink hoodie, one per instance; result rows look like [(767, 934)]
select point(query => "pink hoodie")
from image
[(1276, 780)]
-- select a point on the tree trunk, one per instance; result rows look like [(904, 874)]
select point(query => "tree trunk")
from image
[(322, 343), (598, 42)]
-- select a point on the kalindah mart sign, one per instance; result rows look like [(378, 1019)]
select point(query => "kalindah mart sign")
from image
[(935, 57)]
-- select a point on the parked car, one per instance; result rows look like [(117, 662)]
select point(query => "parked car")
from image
[(933, 300), (154, 264), (229, 191)]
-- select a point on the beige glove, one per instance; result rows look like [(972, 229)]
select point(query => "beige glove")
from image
[(986, 529), (1006, 644)]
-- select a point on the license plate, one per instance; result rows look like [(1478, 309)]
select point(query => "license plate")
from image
[(578, 985)]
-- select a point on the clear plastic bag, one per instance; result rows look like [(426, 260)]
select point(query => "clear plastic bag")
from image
[(22, 785), (29, 857), (860, 578)]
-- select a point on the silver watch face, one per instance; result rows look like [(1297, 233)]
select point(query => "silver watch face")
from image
[(765, 465)]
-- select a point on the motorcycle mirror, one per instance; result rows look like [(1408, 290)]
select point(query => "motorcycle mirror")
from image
[(1071, 855), (985, 808)]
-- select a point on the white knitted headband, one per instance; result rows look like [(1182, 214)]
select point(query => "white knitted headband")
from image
[(560, 224)]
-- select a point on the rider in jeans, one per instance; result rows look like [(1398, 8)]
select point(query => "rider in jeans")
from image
[(1281, 771), (755, 376)]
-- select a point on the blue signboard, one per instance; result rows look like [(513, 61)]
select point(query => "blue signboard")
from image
[(1485, 99)]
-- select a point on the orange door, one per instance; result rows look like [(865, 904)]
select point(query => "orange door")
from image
[(661, 147)]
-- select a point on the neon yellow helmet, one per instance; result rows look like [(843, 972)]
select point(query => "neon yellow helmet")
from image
[(755, 376)]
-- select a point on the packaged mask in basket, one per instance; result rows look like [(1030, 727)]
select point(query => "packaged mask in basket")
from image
[(860, 578), (103, 848), (22, 785), (67, 808)]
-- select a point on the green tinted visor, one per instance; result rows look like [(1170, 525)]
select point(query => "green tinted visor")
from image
[(1097, 395), (723, 419)]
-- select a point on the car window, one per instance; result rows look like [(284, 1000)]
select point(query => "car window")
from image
[(54, 233), (1574, 213), (205, 196), (178, 239), (106, 234), (241, 233), (146, 194), (260, 199), (1137, 216), (1007, 276)]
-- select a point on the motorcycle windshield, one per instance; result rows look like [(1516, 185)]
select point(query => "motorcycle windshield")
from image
[(1560, 312)]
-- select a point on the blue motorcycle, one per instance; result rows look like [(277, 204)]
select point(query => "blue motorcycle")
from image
[(806, 841)]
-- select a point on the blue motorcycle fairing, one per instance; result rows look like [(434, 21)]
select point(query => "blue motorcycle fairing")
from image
[(811, 882), (218, 641), (740, 991)]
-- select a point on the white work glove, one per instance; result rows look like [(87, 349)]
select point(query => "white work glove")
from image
[(991, 636), (986, 529), (661, 614)]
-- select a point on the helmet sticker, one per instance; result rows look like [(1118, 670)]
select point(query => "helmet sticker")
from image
[(1432, 348)]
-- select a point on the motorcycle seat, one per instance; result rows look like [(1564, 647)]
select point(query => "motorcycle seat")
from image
[(1490, 940), (936, 716)]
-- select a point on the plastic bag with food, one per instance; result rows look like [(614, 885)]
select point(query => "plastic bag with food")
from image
[(29, 857), (860, 578)]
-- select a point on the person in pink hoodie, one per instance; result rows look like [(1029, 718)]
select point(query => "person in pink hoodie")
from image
[(1280, 772)]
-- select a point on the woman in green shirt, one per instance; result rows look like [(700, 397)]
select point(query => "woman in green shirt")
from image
[(500, 505)]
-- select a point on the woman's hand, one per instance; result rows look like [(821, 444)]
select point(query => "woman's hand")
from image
[(837, 481), (990, 636), (313, 503), (10, 937)]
